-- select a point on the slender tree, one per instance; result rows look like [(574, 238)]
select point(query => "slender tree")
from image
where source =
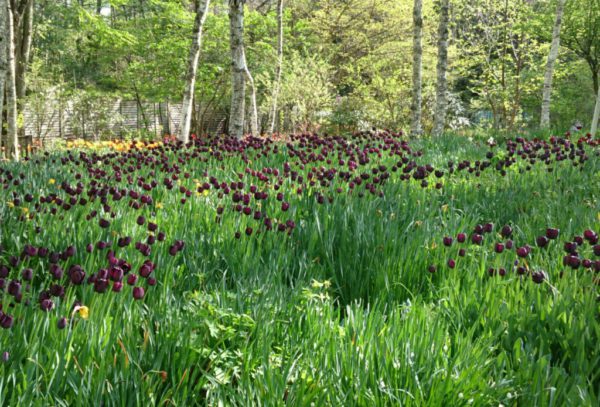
[(11, 86), (192, 70), (596, 117), (253, 106), (23, 25), (277, 83), (3, 61), (552, 56), (238, 59), (441, 102), (416, 128), (240, 73)]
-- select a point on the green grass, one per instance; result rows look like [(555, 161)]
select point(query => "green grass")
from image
[(341, 312)]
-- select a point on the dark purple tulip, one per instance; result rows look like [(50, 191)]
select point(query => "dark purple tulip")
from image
[(101, 245), (589, 235), (573, 261), (432, 269), (6, 321), (54, 257), (145, 270), (89, 248), (138, 293), (597, 250), (116, 273), (538, 277), (151, 281), (447, 241), (62, 323), (173, 250), (477, 238), (56, 271), (502, 272), (478, 229), (451, 263), (570, 247), (523, 251), (103, 223), (132, 279), (153, 226), (248, 231), (579, 240), (461, 237), (13, 261), (587, 263), (30, 251), (462, 252), (117, 286), (14, 288), (521, 270), (488, 227), (100, 285), (161, 236), (42, 252), (27, 274), (552, 233), (57, 290), (4, 270), (5, 357), (124, 241), (70, 251), (499, 247), (76, 275), (141, 220), (46, 305), (506, 231), (491, 271), (541, 241)]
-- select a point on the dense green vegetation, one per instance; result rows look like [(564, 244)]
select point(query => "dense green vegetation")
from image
[(347, 64), (353, 303), (268, 202)]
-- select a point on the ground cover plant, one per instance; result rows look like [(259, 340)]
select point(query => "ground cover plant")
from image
[(359, 270)]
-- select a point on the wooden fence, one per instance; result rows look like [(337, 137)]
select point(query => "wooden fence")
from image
[(48, 120)]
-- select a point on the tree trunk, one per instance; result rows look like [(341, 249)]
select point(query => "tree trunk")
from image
[(596, 115), (277, 83), (254, 111), (416, 129), (552, 56), (3, 63), (23, 26), (441, 104), (238, 68), (190, 80), (11, 88)]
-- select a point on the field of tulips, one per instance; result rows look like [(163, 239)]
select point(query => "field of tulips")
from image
[(362, 270)]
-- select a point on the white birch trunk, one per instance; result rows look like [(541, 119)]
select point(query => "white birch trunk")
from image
[(11, 88), (416, 129), (277, 83), (192, 71), (441, 104), (254, 111), (238, 68), (23, 40), (596, 114), (552, 56), (3, 63)]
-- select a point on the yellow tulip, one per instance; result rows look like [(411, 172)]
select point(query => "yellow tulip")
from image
[(82, 310)]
